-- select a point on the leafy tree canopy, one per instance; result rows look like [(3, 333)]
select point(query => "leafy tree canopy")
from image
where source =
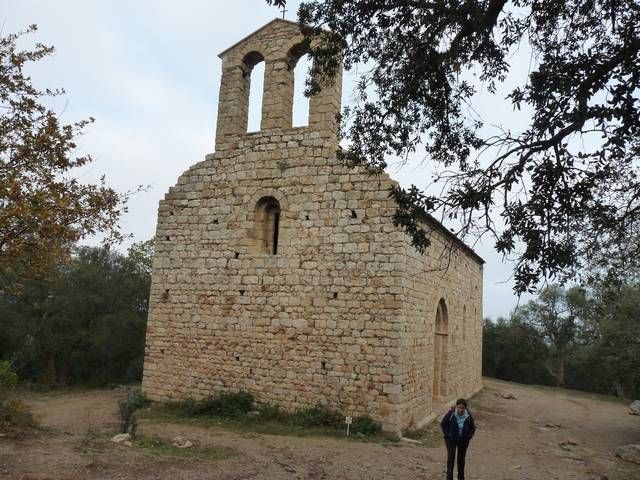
[(557, 315), (566, 186), (80, 321), (584, 337), (140, 254), (43, 209)]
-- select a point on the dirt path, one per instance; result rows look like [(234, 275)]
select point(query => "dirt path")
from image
[(516, 439)]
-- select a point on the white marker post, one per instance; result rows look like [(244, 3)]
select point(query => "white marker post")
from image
[(348, 420)]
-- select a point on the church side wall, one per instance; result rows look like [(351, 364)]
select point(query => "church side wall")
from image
[(446, 272), (320, 322)]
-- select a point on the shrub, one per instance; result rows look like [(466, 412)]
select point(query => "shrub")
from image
[(365, 425), (270, 412), (8, 378), (185, 408), (137, 399), (226, 405), (17, 414), (233, 405), (128, 421), (319, 416), (12, 412)]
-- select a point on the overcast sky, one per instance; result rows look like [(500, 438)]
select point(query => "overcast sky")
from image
[(149, 73)]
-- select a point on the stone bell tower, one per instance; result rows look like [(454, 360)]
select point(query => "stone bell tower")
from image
[(279, 271), (280, 45)]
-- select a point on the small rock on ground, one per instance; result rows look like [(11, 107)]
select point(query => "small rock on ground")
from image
[(180, 442), (121, 438), (410, 440), (630, 453), (569, 442)]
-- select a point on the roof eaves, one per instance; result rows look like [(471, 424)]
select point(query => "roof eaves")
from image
[(221, 54), (432, 220)]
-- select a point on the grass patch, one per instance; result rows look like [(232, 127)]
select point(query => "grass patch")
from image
[(241, 425), (156, 446), (430, 436), (238, 411)]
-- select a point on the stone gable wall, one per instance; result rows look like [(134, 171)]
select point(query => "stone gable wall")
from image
[(319, 322)]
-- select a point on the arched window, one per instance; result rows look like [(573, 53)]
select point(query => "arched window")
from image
[(253, 66), (267, 226)]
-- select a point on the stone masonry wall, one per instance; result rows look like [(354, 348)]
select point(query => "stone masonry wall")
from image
[(450, 273), (319, 322)]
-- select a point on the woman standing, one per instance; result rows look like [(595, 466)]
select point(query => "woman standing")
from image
[(458, 428)]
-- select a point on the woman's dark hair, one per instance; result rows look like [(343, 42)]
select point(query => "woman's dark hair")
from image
[(461, 401)]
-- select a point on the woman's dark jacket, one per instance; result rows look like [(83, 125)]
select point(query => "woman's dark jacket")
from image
[(449, 425)]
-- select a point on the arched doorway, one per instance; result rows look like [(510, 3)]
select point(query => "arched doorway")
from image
[(440, 352)]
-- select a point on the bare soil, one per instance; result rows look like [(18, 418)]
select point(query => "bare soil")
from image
[(542, 434)]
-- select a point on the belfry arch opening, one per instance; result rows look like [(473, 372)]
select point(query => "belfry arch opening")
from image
[(253, 67), (300, 114), (300, 63), (440, 347), (267, 226)]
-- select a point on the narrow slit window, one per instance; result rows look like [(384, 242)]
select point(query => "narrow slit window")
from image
[(464, 323), (267, 229), (276, 227)]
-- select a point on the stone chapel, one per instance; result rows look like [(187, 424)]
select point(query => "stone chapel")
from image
[(278, 270)]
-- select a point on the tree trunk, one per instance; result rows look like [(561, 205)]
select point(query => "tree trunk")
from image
[(618, 389), (51, 375), (561, 362), (65, 368)]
